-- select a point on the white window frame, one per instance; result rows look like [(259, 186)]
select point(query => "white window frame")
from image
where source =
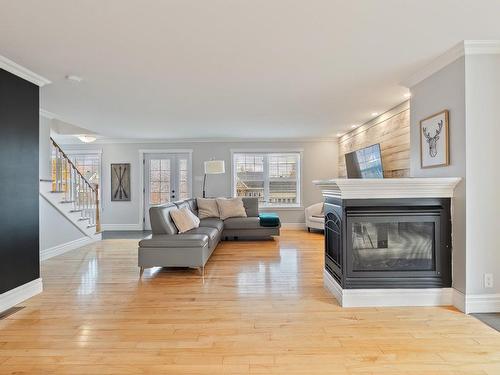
[(300, 153)]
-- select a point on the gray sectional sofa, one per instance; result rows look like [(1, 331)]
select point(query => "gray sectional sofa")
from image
[(165, 247)]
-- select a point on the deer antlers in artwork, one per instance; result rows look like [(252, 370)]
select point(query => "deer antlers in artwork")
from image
[(432, 141)]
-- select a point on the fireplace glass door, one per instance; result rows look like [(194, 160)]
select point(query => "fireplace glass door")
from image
[(392, 244)]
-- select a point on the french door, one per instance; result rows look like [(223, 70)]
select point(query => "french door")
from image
[(167, 178)]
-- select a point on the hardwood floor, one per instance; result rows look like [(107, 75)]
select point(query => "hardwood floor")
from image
[(261, 309)]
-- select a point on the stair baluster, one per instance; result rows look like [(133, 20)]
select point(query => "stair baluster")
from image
[(78, 191)]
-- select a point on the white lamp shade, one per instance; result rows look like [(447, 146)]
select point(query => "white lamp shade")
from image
[(215, 167)]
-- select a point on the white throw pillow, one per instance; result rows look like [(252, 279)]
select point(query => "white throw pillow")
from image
[(207, 208), (193, 217), (232, 207), (183, 220)]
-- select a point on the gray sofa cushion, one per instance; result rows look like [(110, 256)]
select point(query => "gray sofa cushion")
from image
[(242, 223), (161, 222), (251, 206), (212, 222), (177, 240), (212, 233)]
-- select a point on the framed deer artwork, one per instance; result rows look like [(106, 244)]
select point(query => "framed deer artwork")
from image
[(434, 140)]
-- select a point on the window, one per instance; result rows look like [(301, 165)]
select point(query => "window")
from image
[(274, 178)]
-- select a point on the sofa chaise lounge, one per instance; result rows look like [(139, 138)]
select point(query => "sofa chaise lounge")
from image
[(165, 247)]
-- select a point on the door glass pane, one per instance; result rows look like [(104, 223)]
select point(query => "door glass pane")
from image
[(393, 246), (183, 178), (159, 181)]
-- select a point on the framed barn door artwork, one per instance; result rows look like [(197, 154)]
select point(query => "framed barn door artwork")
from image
[(434, 140), (120, 182)]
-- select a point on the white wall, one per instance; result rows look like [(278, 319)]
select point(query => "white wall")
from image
[(55, 228), (445, 90), (319, 161), (482, 74)]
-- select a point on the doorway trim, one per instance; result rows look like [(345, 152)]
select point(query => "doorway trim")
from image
[(142, 155)]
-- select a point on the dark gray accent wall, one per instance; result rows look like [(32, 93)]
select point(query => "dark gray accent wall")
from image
[(19, 181)]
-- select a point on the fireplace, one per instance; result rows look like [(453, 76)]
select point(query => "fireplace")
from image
[(388, 243)]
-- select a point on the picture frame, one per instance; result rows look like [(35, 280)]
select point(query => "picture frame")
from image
[(435, 140), (120, 182)]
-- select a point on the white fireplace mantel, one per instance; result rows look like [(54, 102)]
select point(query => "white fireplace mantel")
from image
[(372, 188)]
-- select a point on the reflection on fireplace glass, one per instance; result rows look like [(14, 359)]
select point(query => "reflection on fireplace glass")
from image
[(393, 246)]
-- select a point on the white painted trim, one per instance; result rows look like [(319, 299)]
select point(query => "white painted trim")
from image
[(22, 72), (358, 188), (278, 150), (459, 300), (482, 47), (332, 286), (104, 140), (17, 295), (83, 151), (142, 155), (68, 246), (47, 114), (294, 226), (482, 303), (166, 151), (122, 227), (388, 297), (466, 47), (274, 150)]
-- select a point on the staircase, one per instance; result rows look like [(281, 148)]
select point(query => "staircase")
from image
[(72, 194)]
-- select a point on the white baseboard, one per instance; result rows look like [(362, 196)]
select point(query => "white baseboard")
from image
[(68, 246), (333, 287), (388, 297), (482, 303), (459, 300), (121, 227), (301, 226), (21, 293)]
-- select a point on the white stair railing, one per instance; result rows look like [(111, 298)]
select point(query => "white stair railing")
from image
[(77, 190)]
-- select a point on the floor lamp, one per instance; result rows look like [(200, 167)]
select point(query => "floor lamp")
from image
[(213, 167)]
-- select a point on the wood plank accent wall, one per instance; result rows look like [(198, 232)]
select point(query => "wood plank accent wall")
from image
[(392, 130)]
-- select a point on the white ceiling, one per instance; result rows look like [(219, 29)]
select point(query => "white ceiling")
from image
[(232, 68)]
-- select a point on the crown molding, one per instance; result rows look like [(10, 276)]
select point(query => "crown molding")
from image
[(47, 114), (481, 47), (22, 72), (464, 48), (212, 140)]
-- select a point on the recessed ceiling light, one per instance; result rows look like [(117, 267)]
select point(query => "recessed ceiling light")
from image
[(407, 95), (354, 126), (374, 113), (74, 78)]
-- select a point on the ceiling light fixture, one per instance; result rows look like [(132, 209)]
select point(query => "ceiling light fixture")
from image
[(86, 138), (374, 113), (354, 126), (74, 78)]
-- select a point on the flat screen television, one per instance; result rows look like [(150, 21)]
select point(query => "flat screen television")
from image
[(365, 163)]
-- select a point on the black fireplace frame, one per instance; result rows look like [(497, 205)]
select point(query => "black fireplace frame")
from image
[(338, 259)]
